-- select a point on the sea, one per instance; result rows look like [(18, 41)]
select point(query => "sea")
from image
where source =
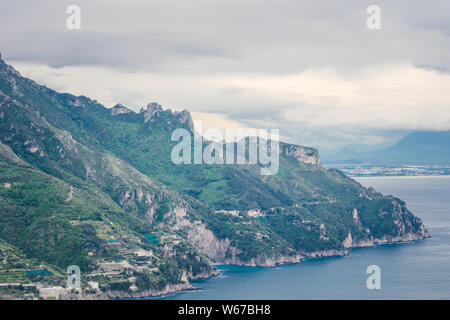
[(414, 270)]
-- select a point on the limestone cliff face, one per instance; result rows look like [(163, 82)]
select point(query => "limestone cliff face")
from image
[(199, 236), (302, 154), (218, 250)]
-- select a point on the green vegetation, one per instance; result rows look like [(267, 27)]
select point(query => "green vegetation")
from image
[(79, 185)]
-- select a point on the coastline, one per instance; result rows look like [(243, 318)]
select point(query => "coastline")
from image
[(186, 287), (278, 260)]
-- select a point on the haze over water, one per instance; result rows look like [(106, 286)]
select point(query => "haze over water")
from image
[(418, 270)]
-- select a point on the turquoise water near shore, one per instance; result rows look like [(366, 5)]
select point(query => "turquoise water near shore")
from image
[(416, 270)]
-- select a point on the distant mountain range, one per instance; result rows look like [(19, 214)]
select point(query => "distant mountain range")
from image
[(417, 148), (86, 185)]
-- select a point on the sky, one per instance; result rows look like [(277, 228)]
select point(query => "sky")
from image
[(312, 69)]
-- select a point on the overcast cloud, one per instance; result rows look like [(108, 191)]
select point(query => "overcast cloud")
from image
[(310, 68)]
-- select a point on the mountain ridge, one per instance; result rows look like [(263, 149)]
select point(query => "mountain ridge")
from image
[(416, 148), (93, 186)]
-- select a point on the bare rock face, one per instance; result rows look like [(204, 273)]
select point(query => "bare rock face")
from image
[(152, 111), (119, 109), (348, 241), (355, 216), (302, 154), (218, 250), (185, 117), (221, 251)]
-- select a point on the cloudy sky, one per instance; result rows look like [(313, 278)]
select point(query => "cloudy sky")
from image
[(310, 68)]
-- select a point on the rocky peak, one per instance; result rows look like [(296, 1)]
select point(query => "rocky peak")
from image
[(302, 154), (119, 109), (152, 111), (154, 106), (10, 76), (185, 118), (9, 69)]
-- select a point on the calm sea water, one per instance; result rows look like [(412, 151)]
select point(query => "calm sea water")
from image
[(418, 270)]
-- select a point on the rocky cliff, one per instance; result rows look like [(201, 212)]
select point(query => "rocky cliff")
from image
[(302, 154)]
